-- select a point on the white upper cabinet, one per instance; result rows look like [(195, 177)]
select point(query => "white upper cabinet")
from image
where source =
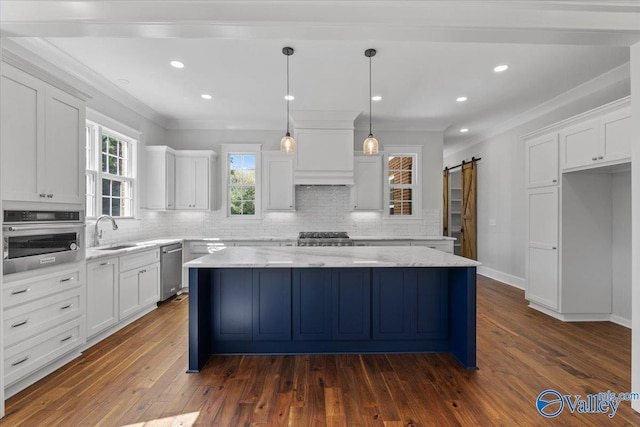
[(161, 178), (366, 193), (603, 139), (43, 141), (277, 177), (542, 161), (194, 176)]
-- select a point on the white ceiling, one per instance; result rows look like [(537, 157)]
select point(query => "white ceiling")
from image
[(429, 53)]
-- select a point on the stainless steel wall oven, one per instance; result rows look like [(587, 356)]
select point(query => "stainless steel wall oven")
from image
[(36, 239)]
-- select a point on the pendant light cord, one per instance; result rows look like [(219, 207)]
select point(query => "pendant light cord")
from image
[(287, 95), (370, 97)]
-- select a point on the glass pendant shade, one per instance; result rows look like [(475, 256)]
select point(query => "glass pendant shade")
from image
[(288, 144), (370, 145)]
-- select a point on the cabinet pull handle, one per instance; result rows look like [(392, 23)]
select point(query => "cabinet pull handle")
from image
[(600, 157), (42, 195), (142, 271), (554, 248), (17, 362), (64, 307), (20, 291), (50, 196), (17, 324), (66, 338), (594, 158), (555, 180), (68, 279), (105, 263)]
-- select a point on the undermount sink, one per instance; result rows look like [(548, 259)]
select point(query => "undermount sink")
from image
[(116, 247)]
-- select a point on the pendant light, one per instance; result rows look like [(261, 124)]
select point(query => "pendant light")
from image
[(287, 144), (370, 145)]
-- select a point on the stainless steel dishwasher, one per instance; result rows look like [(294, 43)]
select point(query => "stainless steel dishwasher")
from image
[(171, 270)]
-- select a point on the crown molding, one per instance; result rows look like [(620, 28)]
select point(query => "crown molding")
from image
[(612, 77), (46, 55)]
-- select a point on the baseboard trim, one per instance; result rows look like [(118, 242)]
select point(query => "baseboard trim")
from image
[(619, 320), (509, 279), (582, 317)]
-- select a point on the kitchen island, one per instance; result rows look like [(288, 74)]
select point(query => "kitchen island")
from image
[(297, 300)]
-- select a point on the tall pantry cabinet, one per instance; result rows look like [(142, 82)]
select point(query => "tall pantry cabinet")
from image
[(569, 167)]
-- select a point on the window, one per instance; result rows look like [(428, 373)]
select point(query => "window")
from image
[(110, 172), (401, 184), (242, 185)]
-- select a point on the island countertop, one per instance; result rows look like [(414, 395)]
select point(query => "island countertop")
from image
[(330, 257)]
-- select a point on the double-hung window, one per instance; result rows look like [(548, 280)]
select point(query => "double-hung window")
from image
[(403, 182), (110, 178), (242, 185)]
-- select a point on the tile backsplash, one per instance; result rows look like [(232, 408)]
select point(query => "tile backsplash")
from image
[(320, 208)]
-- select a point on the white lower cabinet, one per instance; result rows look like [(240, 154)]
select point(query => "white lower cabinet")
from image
[(43, 321), (102, 295), (120, 289)]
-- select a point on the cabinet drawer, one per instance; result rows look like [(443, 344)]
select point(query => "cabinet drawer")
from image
[(129, 262), (27, 290), (27, 320), (26, 357)]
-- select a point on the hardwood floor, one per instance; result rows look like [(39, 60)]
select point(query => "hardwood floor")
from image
[(137, 376)]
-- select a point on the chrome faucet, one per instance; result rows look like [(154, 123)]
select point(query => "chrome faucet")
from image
[(98, 234)]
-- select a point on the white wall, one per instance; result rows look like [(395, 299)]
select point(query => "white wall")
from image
[(621, 247), (635, 219), (501, 188)]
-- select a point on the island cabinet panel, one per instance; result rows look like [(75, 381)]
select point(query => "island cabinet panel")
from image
[(410, 303), (351, 297), (432, 304), (271, 304), (311, 304), (232, 304)]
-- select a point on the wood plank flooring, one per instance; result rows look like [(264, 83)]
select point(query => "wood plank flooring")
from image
[(137, 377)]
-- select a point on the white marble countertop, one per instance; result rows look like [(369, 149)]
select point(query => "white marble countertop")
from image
[(124, 248), (330, 256)]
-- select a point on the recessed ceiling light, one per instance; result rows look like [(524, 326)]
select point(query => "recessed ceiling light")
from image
[(176, 64), (376, 98), (123, 81), (461, 98), (289, 97), (464, 130), (501, 68), (206, 96)]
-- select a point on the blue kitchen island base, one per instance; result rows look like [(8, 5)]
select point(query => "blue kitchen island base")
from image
[(332, 310)]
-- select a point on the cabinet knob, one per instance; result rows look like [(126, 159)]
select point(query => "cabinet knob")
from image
[(600, 157), (555, 180), (594, 158), (554, 248), (50, 196), (42, 195)]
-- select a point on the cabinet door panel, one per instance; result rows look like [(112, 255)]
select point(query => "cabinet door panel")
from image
[(170, 180), (22, 134), (232, 303), (351, 288), (543, 216), (150, 284), (64, 147), (366, 193), (102, 296), (432, 304), (272, 304), (185, 183), (129, 293), (616, 136), (394, 294), (542, 161), (580, 145), (312, 304), (201, 183), (278, 181), (542, 286)]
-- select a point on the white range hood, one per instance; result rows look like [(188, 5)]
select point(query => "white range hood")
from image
[(324, 152)]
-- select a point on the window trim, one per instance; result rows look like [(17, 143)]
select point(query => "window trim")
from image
[(404, 150), (97, 130), (241, 149)]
